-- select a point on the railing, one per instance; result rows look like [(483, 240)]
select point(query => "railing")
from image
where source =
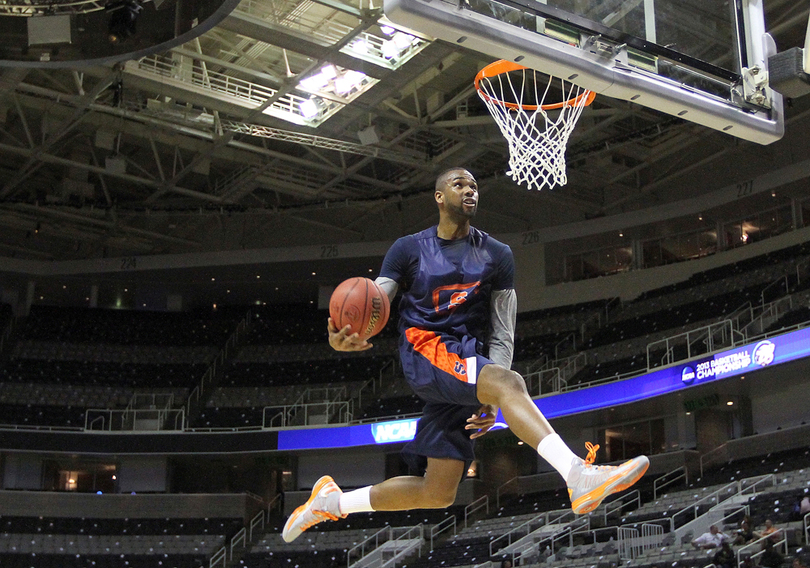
[(565, 521), (502, 489), (415, 532), (219, 558), (371, 543), (745, 552), (328, 405), (375, 383), (753, 484), (151, 401), (763, 316), (700, 341), (670, 478), (480, 503), (447, 524), (550, 377), (172, 419), (7, 333), (258, 521), (622, 502), (704, 458), (209, 377), (569, 340), (633, 544), (249, 93), (782, 282), (727, 491), (807, 528), (236, 540)]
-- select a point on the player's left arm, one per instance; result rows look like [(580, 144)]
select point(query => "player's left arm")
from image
[(503, 311), (502, 316)]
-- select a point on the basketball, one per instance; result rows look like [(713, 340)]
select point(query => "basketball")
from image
[(361, 303)]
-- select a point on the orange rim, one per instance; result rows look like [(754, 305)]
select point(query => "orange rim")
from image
[(503, 66)]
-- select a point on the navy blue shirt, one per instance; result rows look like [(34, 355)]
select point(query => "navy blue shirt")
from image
[(446, 284)]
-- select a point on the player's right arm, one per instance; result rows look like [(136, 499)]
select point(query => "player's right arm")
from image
[(394, 264)]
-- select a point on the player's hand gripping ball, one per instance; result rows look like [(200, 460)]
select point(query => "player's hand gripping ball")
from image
[(362, 304)]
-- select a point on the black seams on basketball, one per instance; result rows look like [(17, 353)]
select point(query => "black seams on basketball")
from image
[(360, 303)]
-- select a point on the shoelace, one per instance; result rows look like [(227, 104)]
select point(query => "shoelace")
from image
[(592, 449), (591, 457)]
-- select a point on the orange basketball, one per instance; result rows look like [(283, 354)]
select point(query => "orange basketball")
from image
[(361, 303)]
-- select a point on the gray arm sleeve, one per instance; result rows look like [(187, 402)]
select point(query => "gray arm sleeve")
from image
[(502, 327), (390, 286)]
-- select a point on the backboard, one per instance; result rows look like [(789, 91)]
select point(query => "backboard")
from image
[(702, 60)]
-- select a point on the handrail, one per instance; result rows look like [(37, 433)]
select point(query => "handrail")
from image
[(777, 282), (565, 521), (744, 551), (477, 505), (446, 524), (258, 520), (219, 557), (713, 496), (420, 529), (239, 537), (621, 502), (502, 486), (715, 336), (677, 474), (361, 546), (806, 520), (718, 449), (219, 361)]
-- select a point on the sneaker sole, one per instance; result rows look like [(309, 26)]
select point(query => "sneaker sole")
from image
[(594, 497), (320, 484)]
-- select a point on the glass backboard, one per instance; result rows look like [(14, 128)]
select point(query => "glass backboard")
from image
[(702, 60)]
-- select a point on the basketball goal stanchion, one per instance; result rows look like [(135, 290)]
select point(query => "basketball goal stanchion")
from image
[(537, 132)]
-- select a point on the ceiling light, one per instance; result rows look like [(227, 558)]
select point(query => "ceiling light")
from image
[(403, 41), (730, 403), (314, 83), (360, 46), (311, 108), (348, 81), (329, 71), (389, 49)]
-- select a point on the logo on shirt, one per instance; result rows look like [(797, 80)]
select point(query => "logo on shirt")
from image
[(448, 298), (459, 368)]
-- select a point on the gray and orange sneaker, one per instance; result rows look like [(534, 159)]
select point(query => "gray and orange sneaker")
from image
[(589, 484), (323, 505)]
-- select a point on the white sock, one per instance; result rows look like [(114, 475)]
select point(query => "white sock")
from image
[(557, 453), (357, 501)]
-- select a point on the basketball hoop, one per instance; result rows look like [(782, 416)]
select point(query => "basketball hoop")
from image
[(537, 138)]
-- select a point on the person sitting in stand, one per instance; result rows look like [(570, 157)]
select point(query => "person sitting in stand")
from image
[(769, 530), (745, 533), (770, 557), (711, 539), (725, 557)]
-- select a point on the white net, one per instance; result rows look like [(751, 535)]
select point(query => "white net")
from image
[(537, 132)]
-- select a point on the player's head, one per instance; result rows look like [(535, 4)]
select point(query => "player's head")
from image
[(456, 193)]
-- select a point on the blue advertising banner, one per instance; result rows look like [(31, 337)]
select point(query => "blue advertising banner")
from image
[(745, 359)]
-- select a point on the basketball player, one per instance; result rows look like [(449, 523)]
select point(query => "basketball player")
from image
[(457, 320)]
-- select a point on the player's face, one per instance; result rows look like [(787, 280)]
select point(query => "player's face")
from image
[(460, 193)]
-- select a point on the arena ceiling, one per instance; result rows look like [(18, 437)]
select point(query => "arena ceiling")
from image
[(206, 148)]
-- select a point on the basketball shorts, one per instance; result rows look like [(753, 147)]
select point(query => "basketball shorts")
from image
[(443, 371)]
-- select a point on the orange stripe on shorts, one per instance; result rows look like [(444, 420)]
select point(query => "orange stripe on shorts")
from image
[(430, 345)]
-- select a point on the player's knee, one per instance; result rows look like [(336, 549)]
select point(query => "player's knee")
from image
[(441, 499), (511, 381)]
